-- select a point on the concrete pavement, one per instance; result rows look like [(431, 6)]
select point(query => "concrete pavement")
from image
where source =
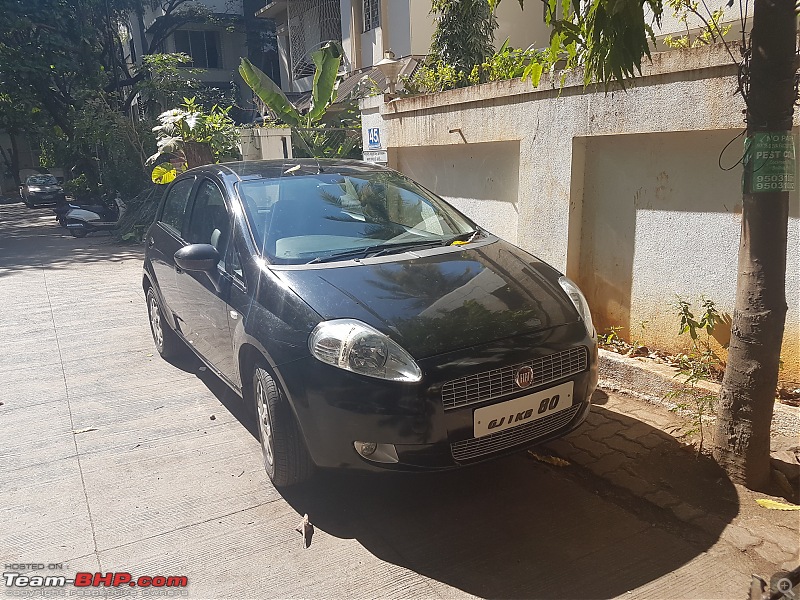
[(110, 461)]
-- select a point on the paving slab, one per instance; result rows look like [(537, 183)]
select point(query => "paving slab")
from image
[(158, 487)]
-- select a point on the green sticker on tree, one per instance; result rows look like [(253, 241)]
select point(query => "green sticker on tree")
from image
[(771, 163)]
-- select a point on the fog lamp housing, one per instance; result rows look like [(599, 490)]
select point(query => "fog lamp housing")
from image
[(375, 452)]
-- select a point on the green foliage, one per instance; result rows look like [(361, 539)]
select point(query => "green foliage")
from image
[(327, 60), (434, 77), (688, 323), (611, 336), (62, 65), (269, 93), (164, 173), (606, 39), (323, 131), (191, 123), (692, 398), (700, 364), (166, 80), (79, 188), (506, 63), (711, 30), (510, 63), (464, 33), (323, 91)]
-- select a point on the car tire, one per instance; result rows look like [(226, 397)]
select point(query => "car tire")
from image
[(286, 458), (167, 342)]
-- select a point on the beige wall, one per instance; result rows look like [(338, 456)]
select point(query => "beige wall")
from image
[(422, 26), (522, 28), (478, 179), (620, 190)]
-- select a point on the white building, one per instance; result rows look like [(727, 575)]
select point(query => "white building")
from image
[(215, 44)]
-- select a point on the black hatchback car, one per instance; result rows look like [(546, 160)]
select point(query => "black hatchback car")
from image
[(366, 322)]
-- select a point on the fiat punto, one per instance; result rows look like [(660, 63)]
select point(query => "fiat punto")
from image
[(367, 323)]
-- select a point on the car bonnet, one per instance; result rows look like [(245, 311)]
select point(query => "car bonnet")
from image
[(433, 302)]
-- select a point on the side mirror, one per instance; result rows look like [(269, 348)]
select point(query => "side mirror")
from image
[(197, 257)]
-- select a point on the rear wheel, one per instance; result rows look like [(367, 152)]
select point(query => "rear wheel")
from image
[(168, 344), (286, 458), (78, 232)]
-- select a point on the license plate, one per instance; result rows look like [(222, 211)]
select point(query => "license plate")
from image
[(491, 419)]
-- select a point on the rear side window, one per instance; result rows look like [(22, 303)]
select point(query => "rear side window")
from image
[(174, 212)]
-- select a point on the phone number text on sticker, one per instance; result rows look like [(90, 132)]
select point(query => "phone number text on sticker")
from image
[(519, 411)]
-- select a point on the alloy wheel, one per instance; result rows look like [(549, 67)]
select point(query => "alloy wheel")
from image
[(264, 425), (155, 322)]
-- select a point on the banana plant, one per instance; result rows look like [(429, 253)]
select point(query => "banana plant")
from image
[(323, 92)]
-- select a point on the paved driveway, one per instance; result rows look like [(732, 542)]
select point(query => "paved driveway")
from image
[(112, 459)]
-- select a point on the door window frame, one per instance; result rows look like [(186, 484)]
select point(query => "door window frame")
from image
[(186, 211)]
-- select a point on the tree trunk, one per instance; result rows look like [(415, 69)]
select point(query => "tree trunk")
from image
[(197, 154), (11, 158), (742, 436)]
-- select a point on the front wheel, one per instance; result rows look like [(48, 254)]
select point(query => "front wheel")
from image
[(168, 344), (286, 458)]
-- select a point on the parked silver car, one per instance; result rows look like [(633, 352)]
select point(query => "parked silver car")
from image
[(41, 190)]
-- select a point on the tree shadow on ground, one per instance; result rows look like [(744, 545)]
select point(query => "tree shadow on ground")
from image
[(513, 527), (32, 239)]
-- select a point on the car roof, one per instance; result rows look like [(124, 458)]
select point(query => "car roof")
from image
[(269, 169)]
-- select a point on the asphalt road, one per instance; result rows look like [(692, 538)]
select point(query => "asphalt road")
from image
[(112, 459)]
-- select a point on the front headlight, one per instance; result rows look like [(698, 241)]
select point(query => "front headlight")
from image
[(578, 299), (355, 346)]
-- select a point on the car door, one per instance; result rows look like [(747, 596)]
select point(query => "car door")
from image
[(237, 300), (166, 238), (203, 296)]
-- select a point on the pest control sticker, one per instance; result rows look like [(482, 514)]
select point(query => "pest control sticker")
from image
[(771, 162)]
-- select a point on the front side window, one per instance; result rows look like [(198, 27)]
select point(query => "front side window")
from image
[(210, 222), (308, 218), (202, 46), (371, 14), (174, 212)]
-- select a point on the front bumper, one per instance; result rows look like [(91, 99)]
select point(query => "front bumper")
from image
[(335, 408), (45, 198)]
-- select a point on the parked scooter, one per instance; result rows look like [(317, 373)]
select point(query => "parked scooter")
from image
[(81, 220), (62, 207)]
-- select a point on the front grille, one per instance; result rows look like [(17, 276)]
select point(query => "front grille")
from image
[(500, 382), (475, 447)]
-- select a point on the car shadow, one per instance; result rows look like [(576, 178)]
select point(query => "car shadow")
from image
[(233, 403), (513, 527)]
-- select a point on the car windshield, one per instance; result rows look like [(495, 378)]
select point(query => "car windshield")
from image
[(299, 219), (42, 180)]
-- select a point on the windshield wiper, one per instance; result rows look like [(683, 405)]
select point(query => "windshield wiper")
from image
[(470, 235), (376, 250)]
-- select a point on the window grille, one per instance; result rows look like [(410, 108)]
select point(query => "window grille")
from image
[(311, 24), (371, 14)]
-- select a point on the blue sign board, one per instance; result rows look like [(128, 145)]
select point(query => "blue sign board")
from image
[(374, 137)]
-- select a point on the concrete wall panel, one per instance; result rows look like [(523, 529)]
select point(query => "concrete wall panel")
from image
[(481, 180)]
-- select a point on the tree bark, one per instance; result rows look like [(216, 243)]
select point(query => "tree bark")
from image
[(742, 436)]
